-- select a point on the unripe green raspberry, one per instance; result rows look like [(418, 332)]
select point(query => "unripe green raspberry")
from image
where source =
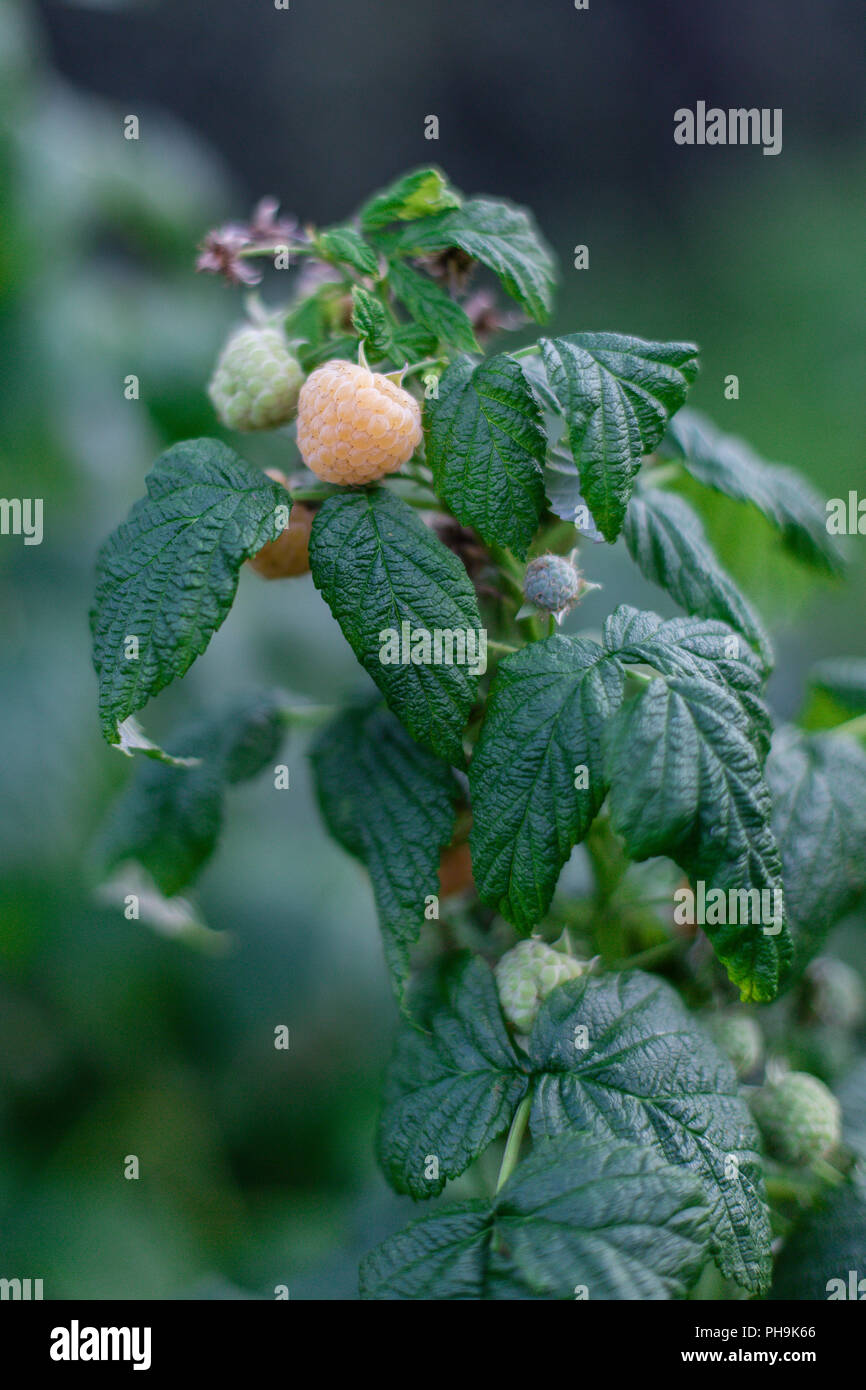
[(257, 380), (355, 425), (835, 992), (798, 1117), (740, 1038), (526, 974), (553, 583)]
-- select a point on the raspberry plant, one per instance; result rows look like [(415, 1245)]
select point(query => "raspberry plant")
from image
[(581, 1019)]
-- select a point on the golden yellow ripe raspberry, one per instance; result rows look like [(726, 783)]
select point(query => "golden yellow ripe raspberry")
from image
[(289, 554), (355, 425)]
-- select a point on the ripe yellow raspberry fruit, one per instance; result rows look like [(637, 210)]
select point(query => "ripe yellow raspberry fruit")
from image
[(289, 554), (256, 381), (355, 425)]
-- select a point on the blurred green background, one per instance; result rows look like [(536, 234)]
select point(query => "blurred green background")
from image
[(257, 1165)]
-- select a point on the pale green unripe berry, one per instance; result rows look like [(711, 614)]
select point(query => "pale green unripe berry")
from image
[(741, 1040), (256, 383), (800, 1120), (551, 582), (526, 974), (835, 992)]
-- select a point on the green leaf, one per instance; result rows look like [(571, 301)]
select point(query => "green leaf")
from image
[(132, 739), (547, 709), (728, 465), (621, 1056), (450, 1092), (168, 575), (818, 1258), (837, 691), (432, 307), (667, 541), (169, 818), (617, 394), (818, 785), (486, 445), (379, 567), (501, 236), (443, 1256), (578, 1216), (702, 647), (420, 194), (686, 781), (370, 321), (390, 804), (346, 245)]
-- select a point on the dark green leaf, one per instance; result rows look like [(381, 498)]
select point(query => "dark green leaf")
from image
[(370, 321), (621, 1056), (168, 575), (432, 307), (420, 194), (579, 1217), (703, 647), (617, 394), (391, 805), (727, 464), (686, 781), (169, 818), (500, 236), (347, 245), (379, 567), (666, 539), (451, 1091), (818, 785), (826, 1249), (486, 447), (547, 708)]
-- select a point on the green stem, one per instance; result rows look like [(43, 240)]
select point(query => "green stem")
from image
[(500, 646), (827, 1173), (423, 366), (513, 1142), (530, 351)]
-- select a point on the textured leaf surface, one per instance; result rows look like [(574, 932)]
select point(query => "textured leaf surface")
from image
[(370, 321), (378, 566), (729, 465), (501, 236), (686, 780), (693, 646), (450, 1092), (347, 245), (419, 194), (547, 708), (646, 1073), (617, 394), (577, 1212), (391, 805), (666, 539), (432, 307), (486, 446), (168, 574), (818, 785), (169, 819)]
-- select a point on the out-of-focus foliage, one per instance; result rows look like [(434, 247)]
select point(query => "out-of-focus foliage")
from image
[(256, 1164)]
